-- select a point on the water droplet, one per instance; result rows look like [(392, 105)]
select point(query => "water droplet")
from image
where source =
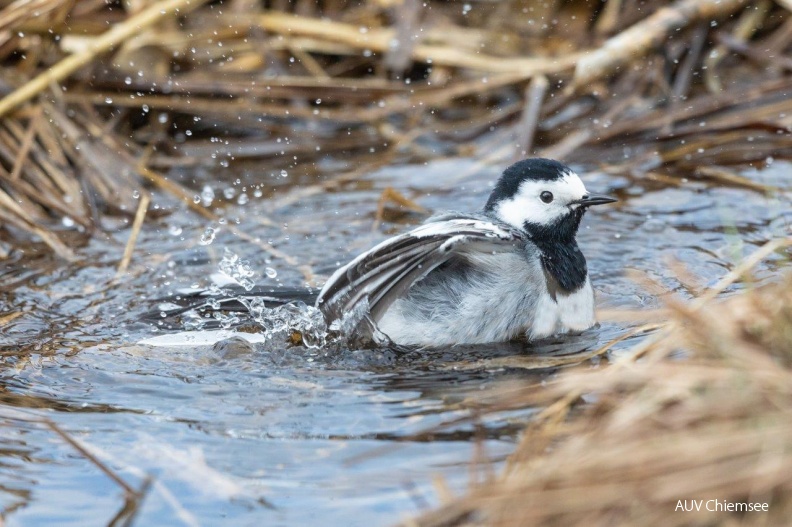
[(208, 236), (270, 272), (207, 196), (283, 173)]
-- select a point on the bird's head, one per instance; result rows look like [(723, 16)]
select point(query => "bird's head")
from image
[(543, 198)]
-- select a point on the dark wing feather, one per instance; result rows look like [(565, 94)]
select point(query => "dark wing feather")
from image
[(385, 273), (231, 300)]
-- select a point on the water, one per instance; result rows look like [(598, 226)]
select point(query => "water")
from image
[(251, 433)]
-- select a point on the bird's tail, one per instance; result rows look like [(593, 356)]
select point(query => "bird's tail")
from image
[(228, 299)]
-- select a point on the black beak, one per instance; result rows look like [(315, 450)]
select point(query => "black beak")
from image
[(594, 199)]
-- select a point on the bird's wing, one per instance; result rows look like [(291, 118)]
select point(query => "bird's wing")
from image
[(383, 274)]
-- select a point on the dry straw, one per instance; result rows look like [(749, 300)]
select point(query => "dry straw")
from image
[(85, 87), (704, 415)]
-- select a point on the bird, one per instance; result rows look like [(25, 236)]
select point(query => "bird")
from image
[(511, 270)]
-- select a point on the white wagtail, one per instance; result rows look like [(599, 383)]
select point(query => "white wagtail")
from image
[(472, 278)]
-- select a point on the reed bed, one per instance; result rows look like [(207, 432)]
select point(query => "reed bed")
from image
[(101, 100), (698, 411)]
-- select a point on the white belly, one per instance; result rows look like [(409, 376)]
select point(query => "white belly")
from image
[(566, 313), (512, 303)]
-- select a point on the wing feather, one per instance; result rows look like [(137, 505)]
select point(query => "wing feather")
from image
[(386, 272)]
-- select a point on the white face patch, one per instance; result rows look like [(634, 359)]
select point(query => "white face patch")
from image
[(527, 205)]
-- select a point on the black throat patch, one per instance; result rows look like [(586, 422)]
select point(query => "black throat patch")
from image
[(563, 263)]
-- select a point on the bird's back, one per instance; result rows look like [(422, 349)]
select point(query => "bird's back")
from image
[(473, 298)]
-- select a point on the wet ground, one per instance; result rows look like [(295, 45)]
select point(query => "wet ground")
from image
[(266, 434)]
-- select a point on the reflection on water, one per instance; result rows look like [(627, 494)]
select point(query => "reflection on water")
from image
[(250, 432)]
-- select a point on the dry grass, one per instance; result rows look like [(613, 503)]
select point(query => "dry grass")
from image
[(100, 99), (704, 411)]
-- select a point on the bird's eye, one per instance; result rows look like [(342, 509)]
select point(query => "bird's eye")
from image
[(546, 196)]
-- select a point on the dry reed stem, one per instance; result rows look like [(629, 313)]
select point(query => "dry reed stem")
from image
[(27, 143), (729, 177), (647, 34), (696, 108), (463, 53), (526, 128), (117, 34), (50, 239), (133, 498), (90, 457), (609, 18), (140, 215), (5, 319), (391, 195), (20, 10), (175, 190), (379, 40), (746, 26), (741, 269)]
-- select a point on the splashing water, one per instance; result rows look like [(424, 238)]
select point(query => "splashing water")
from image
[(294, 322), (348, 324), (236, 269), (282, 323)]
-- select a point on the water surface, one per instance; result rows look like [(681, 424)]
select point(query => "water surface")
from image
[(269, 434)]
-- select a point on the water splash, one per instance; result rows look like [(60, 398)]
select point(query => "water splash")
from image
[(349, 323), (296, 322), (237, 269)]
